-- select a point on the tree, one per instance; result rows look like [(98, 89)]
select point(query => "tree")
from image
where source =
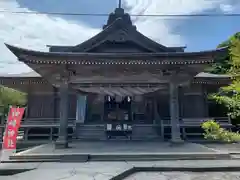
[(9, 97), (230, 95), (223, 65)]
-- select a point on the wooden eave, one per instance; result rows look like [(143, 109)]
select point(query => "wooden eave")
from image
[(209, 78), (26, 81), (5, 81), (163, 58), (216, 81), (21, 83)]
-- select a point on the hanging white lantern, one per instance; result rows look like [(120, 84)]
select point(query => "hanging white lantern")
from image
[(109, 98)]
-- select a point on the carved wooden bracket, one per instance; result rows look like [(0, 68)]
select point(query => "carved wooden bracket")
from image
[(65, 74), (180, 77)]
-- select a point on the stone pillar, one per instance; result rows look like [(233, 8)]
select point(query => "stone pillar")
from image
[(174, 113), (62, 141)]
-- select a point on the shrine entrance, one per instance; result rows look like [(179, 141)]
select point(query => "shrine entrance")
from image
[(117, 110), (118, 116)]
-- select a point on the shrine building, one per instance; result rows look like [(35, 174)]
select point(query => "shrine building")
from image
[(118, 83)]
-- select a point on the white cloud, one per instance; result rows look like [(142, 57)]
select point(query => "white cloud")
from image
[(35, 31), (226, 7), (231, 6), (159, 28)]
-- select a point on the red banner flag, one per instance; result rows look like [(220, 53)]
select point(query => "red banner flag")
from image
[(11, 131)]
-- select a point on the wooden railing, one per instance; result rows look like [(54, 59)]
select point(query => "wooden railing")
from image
[(42, 122), (45, 122), (189, 123), (195, 122), (50, 124)]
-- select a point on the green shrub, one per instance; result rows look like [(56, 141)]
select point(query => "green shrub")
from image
[(213, 131)]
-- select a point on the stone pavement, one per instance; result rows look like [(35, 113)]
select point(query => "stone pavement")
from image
[(119, 151), (119, 146), (107, 170), (232, 148), (93, 170), (185, 176)]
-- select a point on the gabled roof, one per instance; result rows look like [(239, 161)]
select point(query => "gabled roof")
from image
[(119, 28)]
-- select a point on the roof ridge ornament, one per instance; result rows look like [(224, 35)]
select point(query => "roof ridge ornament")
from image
[(120, 4), (119, 14)]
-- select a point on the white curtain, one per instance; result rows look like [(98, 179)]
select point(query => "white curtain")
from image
[(81, 108)]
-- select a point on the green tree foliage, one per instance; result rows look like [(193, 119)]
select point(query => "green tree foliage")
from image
[(213, 132), (223, 64), (230, 95), (10, 97)]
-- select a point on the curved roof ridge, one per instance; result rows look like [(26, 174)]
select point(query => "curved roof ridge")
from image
[(16, 49)]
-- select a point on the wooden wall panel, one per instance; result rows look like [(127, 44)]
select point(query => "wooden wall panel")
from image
[(193, 102), (41, 106)]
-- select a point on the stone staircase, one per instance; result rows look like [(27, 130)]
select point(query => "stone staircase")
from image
[(144, 132), (90, 132)]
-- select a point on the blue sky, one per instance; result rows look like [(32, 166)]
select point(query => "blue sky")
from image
[(35, 31)]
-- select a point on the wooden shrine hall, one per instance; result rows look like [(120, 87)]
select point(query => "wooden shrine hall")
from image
[(118, 83)]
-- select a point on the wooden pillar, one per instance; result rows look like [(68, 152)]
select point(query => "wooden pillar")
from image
[(205, 94), (156, 116), (62, 141), (55, 92), (174, 112), (102, 101), (181, 102), (29, 105)]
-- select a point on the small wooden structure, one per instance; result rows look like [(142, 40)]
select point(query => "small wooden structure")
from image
[(81, 89)]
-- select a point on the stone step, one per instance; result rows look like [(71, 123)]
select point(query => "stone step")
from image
[(90, 135), (90, 132), (90, 128), (144, 132), (83, 157), (97, 130), (235, 156)]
